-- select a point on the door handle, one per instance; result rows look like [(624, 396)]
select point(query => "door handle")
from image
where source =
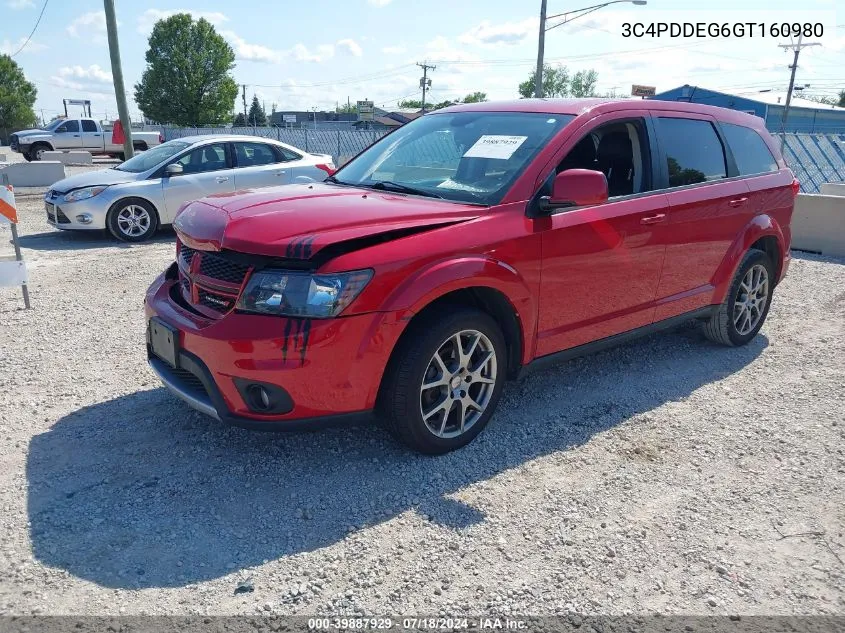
[(98, 135), (76, 136), (654, 219), (279, 173), (221, 178), (738, 202)]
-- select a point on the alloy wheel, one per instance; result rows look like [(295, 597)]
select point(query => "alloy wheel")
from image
[(133, 220), (458, 383), (751, 298)]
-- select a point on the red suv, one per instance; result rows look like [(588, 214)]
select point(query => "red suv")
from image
[(460, 250)]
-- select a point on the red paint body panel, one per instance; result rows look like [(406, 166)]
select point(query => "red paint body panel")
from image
[(570, 278)]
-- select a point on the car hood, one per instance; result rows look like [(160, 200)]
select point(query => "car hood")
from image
[(29, 132), (298, 221), (92, 178)]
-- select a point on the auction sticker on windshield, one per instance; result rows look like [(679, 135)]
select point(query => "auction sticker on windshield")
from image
[(495, 146)]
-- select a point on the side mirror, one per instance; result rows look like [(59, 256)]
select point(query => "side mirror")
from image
[(173, 169), (576, 188)]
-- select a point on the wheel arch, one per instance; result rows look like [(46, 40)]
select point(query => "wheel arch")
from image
[(762, 232)]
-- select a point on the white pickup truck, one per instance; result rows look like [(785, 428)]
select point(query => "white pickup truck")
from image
[(85, 134)]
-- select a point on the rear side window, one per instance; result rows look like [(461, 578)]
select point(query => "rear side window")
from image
[(88, 125), (751, 153), (284, 155), (694, 152), (254, 154)]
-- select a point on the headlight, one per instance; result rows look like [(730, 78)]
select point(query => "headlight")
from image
[(83, 194), (287, 293)]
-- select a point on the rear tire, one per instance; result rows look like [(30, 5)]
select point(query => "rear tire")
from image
[(438, 406), (132, 220), (743, 312)]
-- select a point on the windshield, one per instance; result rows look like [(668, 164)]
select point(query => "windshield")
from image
[(462, 156), (52, 125), (152, 157)]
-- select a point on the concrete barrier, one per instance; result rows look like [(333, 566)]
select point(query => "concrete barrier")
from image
[(36, 174), (818, 224), (833, 189), (72, 157)]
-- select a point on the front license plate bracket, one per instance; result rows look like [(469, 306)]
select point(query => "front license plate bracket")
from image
[(164, 341)]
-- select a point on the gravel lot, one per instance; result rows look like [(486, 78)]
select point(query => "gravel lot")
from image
[(669, 475)]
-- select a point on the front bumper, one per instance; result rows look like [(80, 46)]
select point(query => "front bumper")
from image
[(330, 369), (63, 215)]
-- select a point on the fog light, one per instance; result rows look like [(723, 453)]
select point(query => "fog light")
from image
[(84, 218), (260, 397)]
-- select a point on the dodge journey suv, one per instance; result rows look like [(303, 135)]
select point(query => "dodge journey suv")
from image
[(463, 248)]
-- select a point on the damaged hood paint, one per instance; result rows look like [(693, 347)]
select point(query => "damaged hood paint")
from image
[(298, 221)]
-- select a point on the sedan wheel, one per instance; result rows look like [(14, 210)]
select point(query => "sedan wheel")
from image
[(133, 220)]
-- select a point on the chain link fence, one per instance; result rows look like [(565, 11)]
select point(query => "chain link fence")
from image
[(337, 143), (815, 158)]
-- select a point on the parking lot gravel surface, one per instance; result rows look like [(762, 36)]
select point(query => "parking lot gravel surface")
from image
[(670, 475)]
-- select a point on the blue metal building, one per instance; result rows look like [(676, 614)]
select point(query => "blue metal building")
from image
[(807, 117)]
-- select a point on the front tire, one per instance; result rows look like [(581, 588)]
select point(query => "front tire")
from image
[(132, 220), (444, 380), (36, 152), (744, 310)]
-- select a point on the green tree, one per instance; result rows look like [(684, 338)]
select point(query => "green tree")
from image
[(409, 104), (347, 108), (584, 83), (240, 120), (187, 80), (256, 115), (555, 82), (841, 103), (17, 96), (475, 97)]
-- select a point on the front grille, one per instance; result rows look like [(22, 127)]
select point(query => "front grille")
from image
[(210, 281), (186, 254), (55, 214), (188, 381), (217, 267), (63, 219)]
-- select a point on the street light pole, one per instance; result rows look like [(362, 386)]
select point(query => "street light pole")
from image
[(117, 75), (541, 43)]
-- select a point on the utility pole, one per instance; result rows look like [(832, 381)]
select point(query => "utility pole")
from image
[(796, 49), (541, 45), (425, 82), (243, 86), (117, 76)]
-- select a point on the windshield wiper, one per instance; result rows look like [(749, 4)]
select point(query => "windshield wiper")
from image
[(387, 185)]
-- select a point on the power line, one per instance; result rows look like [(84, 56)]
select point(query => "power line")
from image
[(32, 32)]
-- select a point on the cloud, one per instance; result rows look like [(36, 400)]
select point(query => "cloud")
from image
[(92, 73), (393, 50), (17, 5), (350, 47), (301, 53), (379, 3), (7, 47), (88, 25), (487, 33), (92, 79), (147, 20), (252, 52)]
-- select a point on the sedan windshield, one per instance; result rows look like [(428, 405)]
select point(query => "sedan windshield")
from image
[(152, 157), (461, 156)]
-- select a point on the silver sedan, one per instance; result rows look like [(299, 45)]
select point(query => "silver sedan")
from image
[(135, 198)]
